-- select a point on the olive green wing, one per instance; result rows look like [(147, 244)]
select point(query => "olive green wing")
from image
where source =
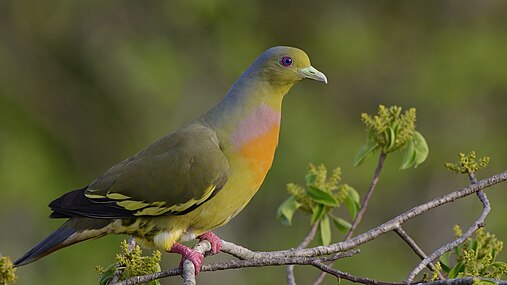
[(175, 175)]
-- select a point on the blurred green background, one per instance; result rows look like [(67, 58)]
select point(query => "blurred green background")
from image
[(85, 84)]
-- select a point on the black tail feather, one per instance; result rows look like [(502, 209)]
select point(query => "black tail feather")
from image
[(51, 243)]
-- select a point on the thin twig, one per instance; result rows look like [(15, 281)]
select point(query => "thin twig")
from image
[(415, 247), (366, 199), (291, 280), (449, 246), (362, 210), (472, 177), (340, 274)]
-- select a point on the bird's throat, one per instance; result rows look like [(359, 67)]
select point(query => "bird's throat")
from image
[(263, 122)]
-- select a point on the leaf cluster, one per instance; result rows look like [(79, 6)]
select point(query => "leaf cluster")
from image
[(476, 257), (391, 130), (468, 163), (7, 271), (318, 198), (131, 263)]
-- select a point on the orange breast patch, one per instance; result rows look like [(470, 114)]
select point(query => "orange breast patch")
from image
[(260, 152)]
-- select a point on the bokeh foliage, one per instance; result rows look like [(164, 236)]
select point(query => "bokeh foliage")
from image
[(84, 84)]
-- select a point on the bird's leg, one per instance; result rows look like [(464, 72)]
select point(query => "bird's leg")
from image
[(214, 240), (187, 253)]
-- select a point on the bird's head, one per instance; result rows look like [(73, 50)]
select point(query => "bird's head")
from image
[(283, 65)]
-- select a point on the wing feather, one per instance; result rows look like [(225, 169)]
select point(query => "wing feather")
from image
[(173, 176)]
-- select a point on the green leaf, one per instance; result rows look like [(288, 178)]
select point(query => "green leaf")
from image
[(321, 197), (325, 230), (366, 150), (352, 207), (458, 250), (390, 136), (352, 193), (108, 274), (342, 225), (444, 261), (287, 209), (318, 212), (493, 254), (458, 268), (473, 245), (416, 152), (352, 202), (421, 149), (409, 157), (310, 179)]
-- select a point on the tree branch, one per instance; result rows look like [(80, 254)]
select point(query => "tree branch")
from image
[(235, 264)]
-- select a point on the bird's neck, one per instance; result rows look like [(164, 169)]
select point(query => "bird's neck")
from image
[(250, 107)]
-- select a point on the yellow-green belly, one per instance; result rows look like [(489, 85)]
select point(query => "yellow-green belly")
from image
[(162, 232)]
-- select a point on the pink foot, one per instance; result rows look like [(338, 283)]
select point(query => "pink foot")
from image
[(214, 240), (187, 253)]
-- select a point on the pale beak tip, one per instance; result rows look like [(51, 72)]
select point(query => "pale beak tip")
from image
[(312, 73)]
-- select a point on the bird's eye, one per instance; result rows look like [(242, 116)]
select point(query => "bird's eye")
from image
[(286, 61)]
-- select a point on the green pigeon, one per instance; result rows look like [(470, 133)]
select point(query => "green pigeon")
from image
[(192, 180)]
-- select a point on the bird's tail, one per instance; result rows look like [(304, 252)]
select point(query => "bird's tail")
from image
[(71, 232)]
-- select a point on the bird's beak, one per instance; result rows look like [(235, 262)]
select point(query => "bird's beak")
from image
[(312, 73)]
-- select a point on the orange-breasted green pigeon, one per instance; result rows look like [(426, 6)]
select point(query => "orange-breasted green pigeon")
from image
[(194, 179)]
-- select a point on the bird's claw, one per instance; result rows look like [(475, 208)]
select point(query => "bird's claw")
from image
[(196, 258), (187, 253), (214, 240)]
